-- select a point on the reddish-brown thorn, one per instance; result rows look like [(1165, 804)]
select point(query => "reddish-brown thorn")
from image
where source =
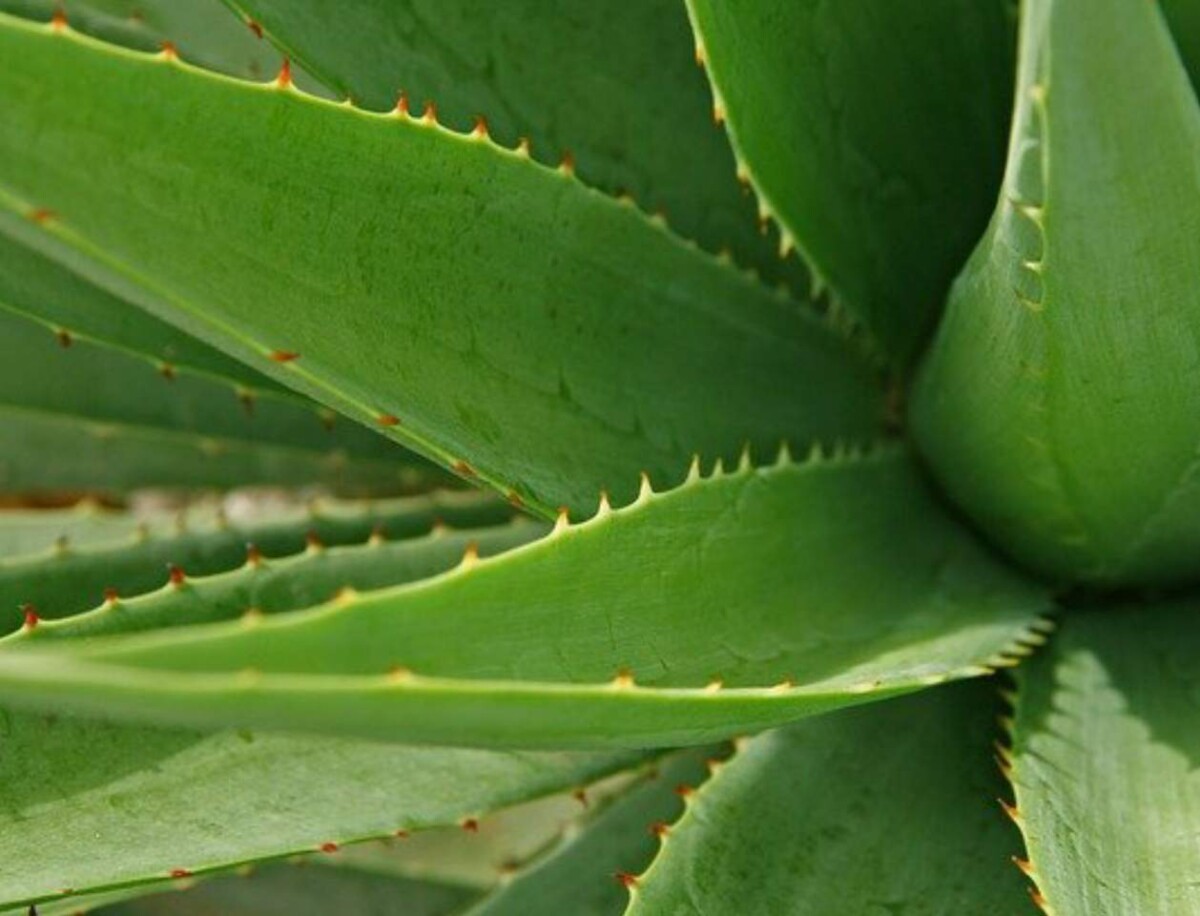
[(59, 20), (1011, 810), (169, 51), (41, 215), (400, 834), (180, 873), (659, 829), (1039, 900), (247, 400), (111, 596), (167, 371), (683, 790), (31, 616), (429, 116), (580, 796), (253, 555), (313, 541), (626, 880), (402, 104), (378, 534), (255, 28), (284, 356), (462, 469), (1024, 866), (175, 575), (65, 339), (329, 847), (567, 165), (514, 499), (387, 419), (480, 130), (471, 825), (284, 79)]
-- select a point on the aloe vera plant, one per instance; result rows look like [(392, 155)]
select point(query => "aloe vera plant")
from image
[(743, 475)]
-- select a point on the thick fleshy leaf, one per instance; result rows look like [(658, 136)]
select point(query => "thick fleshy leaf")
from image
[(492, 313), (262, 586), (1184, 18), (37, 286), (873, 131), (67, 578), (49, 378), (88, 806), (203, 32), (1106, 762), (888, 809), (301, 889), (1059, 403), (734, 602), (612, 84)]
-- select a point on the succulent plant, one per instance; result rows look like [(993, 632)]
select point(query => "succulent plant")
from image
[(726, 481)]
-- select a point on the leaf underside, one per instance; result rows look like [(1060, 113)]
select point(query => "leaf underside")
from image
[(583, 344), (510, 651)]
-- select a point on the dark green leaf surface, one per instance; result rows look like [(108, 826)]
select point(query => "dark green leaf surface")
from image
[(1106, 762), (1059, 404), (69, 578), (499, 316), (38, 287), (611, 83), (886, 809), (87, 386), (90, 806), (873, 131), (734, 602)]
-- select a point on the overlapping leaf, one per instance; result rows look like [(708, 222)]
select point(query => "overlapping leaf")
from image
[(611, 84), (873, 132), (733, 602), (1059, 404), (1106, 762), (886, 808), (491, 313)]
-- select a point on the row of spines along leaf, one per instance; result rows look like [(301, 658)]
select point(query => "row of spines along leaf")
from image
[(63, 581)]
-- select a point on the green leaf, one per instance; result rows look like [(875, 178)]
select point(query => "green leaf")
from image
[(499, 316), (89, 806), (886, 809), (1184, 18), (36, 286), (1058, 404), (62, 382), (612, 84), (873, 132), (203, 32), (262, 586), (69, 578), (734, 602), (582, 874), (288, 890), (1106, 762)]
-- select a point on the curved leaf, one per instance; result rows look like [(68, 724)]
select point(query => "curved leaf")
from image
[(89, 806), (889, 808), (68, 578), (492, 313), (1106, 762), (263, 586), (38, 287), (731, 603), (873, 131), (611, 84), (65, 383), (1058, 404)]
